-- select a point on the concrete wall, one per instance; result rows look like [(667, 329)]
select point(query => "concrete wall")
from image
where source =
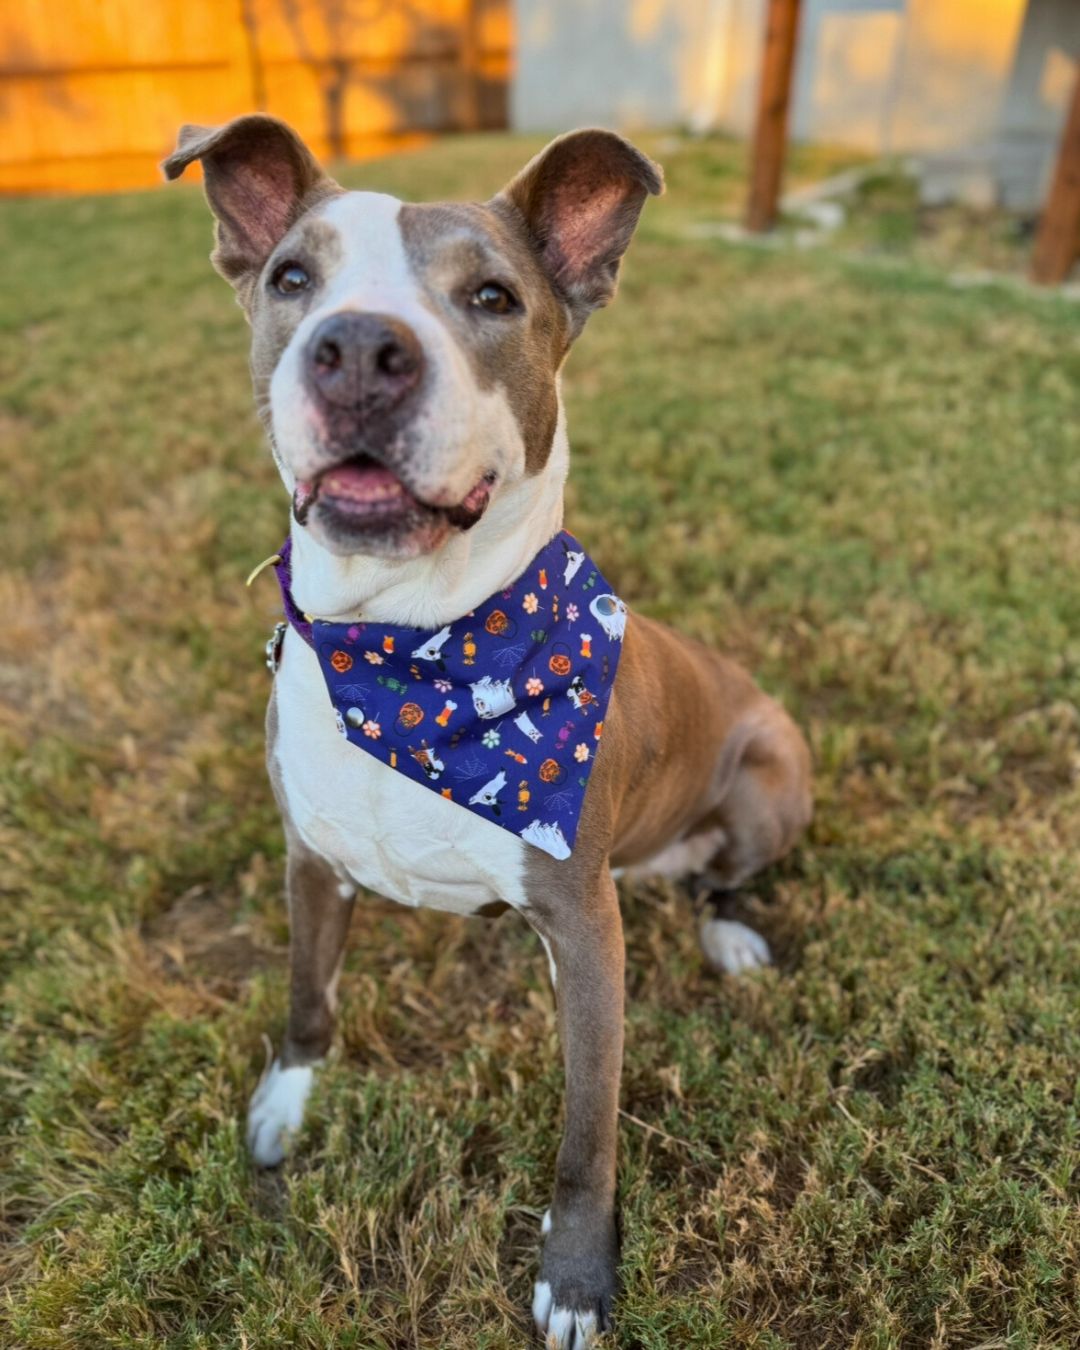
[(1043, 74), (951, 84), (635, 63), (947, 79), (850, 52)]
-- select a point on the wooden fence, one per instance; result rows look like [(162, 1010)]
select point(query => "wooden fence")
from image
[(92, 91)]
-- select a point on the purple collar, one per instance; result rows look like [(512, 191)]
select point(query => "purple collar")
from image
[(283, 572), (500, 711)]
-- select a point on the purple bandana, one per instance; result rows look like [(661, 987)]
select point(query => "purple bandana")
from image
[(500, 711)]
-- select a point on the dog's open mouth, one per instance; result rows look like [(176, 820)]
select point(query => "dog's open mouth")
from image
[(360, 495)]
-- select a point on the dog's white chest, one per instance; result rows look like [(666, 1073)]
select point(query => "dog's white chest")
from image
[(386, 832)]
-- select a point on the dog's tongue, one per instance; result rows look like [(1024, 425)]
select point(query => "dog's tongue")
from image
[(362, 487), (363, 484)]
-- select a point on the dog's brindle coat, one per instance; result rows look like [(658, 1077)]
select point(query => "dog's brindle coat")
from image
[(458, 417)]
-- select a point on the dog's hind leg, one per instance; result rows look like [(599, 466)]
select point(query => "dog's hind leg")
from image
[(320, 907), (764, 806), (765, 803)]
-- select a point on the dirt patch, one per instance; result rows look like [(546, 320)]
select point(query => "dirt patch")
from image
[(205, 935)]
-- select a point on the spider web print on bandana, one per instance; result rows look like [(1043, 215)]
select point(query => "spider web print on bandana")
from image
[(500, 711)]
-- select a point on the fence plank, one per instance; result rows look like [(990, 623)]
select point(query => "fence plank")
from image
[(91, 92)]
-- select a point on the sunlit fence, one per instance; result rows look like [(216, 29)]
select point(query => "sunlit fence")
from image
[(92, 91)]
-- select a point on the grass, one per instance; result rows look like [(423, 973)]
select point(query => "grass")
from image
[(884, 218), (860, 480)]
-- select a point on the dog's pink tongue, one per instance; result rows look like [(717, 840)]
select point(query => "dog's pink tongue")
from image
[(363, 484)]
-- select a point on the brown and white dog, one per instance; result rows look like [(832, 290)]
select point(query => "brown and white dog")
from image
[(406, 363)]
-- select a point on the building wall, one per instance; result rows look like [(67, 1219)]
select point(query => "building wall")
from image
[(887, 76), (846, 74), (954, 72), (1043, 74), (634, 63)]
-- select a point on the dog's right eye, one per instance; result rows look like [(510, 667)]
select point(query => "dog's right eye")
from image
[(290, 278)]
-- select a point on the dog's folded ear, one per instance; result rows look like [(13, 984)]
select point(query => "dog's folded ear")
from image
[(260, 178), (580, 199)]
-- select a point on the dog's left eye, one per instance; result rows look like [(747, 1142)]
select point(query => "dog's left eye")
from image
[(290, 278), (494, 299)]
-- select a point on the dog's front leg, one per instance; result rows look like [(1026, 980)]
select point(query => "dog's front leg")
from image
[(320, 907), (583, 934)]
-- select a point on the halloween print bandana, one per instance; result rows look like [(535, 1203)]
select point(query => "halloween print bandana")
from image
[(500, 711)]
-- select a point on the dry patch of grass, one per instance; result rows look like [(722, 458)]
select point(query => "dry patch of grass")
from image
[(861, 482)]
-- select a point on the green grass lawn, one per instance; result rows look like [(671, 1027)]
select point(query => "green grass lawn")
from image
[(861, 481)]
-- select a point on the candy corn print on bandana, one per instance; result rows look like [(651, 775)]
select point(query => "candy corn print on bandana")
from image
[(501, 711)]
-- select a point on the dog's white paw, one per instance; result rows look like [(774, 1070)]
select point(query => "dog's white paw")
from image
[(277, 1111), (562, 1328), (732, 947)]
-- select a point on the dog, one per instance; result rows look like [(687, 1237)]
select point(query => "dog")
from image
[(406, 362)]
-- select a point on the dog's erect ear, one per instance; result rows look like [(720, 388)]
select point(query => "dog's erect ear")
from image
[(260, 178), (581, 198)]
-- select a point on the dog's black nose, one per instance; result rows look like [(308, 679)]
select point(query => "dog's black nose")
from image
[(367, 362)]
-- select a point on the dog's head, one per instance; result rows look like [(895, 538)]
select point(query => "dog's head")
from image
[(406, 357)]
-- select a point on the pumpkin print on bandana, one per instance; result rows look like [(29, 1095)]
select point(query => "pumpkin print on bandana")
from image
[(501, 711)]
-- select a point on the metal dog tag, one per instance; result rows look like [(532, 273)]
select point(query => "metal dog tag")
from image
[(274, 644)]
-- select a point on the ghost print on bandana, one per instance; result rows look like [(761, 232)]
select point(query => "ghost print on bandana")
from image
[(501, 711)]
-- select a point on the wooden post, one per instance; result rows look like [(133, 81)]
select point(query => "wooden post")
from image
[(770, 130), (1058, 239)]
